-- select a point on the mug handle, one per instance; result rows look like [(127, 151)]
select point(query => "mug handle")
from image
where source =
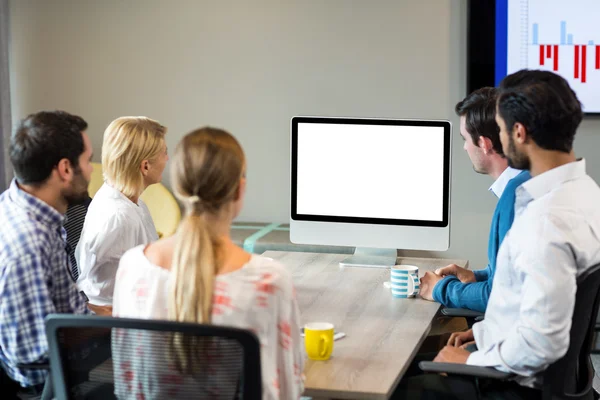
[(325, 345), (416, 287)]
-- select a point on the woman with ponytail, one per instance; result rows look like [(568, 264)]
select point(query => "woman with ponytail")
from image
[(200, 276)]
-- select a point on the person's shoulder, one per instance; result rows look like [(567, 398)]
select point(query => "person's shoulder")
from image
[(133, 263), (272, 271), (22, 235), (509, 195), (111, 219), (266, 263), (133, 255), (142, 204), (514, 183)]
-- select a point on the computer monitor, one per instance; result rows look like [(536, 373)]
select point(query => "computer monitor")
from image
[(376, 184)]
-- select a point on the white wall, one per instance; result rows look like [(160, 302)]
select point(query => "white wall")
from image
[(248, 67)]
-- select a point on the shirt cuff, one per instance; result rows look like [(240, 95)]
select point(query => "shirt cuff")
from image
[(481, 275), (439, 290), (479, 358)]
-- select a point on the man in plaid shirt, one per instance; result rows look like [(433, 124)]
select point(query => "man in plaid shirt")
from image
[(50, 153)]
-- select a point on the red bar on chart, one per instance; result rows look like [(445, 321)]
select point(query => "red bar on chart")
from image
[(548, 51), (556, 57), (576, 61), (583, 62), (597, 57), (541, 54)]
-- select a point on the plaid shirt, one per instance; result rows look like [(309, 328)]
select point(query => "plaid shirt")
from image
[(35, 281)]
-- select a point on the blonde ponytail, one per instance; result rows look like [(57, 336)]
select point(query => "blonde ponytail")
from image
[(207, 169), (193, 272)]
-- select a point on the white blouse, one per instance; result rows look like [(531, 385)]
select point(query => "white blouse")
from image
[(113, 225), (259, 297)]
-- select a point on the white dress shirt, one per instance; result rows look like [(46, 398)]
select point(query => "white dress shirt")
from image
[(500, 184), (555, 237), (113, 225)]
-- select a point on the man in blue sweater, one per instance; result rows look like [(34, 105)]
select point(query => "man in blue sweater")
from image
[(458, 287)]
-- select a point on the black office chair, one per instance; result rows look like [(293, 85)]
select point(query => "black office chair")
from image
[(94, 357), (570, 377), (11, 389), (75, 217), (596, 350)]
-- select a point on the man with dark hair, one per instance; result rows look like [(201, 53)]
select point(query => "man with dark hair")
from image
[(458, 287), (554, 239), (51, 155)]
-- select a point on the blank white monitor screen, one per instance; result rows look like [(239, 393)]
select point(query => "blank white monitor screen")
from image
[(371, 171)]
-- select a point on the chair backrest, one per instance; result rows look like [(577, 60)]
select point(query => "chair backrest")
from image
[(572, 376), (74, 225), (96, 180), (94, 357), (163, 208)]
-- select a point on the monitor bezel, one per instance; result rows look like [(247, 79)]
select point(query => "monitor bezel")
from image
[(370, 121), (482, 45)]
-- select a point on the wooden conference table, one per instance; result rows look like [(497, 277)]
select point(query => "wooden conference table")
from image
[(383, 333)]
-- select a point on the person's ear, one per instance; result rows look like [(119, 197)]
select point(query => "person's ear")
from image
[(241, 190), (485, 144), (145, 167), (519, 133), (65, 170)]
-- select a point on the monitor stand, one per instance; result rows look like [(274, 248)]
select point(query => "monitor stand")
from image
[(368, 257)]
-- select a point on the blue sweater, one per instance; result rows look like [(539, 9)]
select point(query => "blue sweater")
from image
[(453, 293)]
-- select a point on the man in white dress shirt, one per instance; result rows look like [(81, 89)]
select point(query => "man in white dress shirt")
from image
[(555, 238)]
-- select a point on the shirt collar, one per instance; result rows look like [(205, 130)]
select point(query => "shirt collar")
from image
[(544, 183), (500, 184), (41, 210)]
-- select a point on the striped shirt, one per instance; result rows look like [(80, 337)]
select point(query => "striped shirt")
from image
[(35, 280), (75, 217)]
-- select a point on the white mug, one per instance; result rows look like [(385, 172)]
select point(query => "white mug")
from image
[(404, 281)]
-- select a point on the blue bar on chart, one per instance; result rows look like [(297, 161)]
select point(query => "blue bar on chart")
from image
[(535, 34), (591, 42), (570, 39), (563, 32)]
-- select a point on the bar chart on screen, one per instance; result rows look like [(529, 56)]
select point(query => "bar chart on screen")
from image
[(561, 36)]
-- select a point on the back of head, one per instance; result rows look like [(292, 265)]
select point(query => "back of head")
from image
[(207, 169), (41, 140), (479, 110), (544, 103), (127, 142)]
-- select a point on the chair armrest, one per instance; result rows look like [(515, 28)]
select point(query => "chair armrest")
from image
[(462, 369), (43, 366), (461, 312)]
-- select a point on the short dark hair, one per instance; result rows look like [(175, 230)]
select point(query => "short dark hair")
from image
[(479, 110), (546, 106), (43, 139)]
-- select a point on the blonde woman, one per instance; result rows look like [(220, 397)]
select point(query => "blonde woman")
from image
[(134, 155), (200, 276)]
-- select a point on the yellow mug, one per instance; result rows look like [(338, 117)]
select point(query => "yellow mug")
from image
[(318, 340)]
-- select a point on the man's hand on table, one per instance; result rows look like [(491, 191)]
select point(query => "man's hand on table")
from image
[(464, 275), (428, 282)]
